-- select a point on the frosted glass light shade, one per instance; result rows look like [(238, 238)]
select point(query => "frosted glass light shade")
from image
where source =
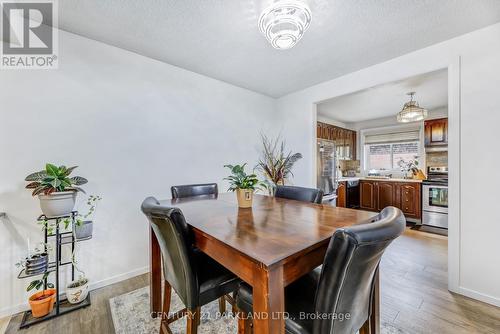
[(284, 23), (411, 112)]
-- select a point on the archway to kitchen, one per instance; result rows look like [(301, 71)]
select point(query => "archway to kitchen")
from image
[(369, 115)]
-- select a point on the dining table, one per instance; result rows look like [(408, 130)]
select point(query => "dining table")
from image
[(269, 246)]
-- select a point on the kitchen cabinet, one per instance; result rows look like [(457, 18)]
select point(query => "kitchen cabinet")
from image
[(368, 200), (376, 195), (344, 139), (409, 199), (386, 192), (436, 132), (342, 195)]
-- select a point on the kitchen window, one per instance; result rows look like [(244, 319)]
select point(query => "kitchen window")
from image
[(384, 151)]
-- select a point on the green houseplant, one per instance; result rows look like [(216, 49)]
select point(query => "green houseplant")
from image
[(55, 189), (41, 302), (243, 184), (275, 162)]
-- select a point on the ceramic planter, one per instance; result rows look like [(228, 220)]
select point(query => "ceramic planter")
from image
[(245, 197), (57, 204), (84, 230), (42, 303), (77, 291), (37, 264)]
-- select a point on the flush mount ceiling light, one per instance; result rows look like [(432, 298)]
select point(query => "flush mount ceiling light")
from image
[(284, 23), (411, 111)]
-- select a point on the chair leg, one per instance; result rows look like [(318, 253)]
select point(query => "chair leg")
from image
[(222, 305), (192, 321), (244, 323), (234, 309), (365, 329), (167, 294)]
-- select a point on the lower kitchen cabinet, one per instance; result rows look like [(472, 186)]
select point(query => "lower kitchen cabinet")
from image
[(367, 194), (342, 195), (376, 195)]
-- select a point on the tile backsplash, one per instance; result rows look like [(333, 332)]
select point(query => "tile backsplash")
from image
[(436, 159), (349, 165)]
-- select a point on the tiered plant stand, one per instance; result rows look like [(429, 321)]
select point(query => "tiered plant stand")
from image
[(61, 306)]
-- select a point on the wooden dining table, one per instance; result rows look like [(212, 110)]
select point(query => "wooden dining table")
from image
[(268, 246)]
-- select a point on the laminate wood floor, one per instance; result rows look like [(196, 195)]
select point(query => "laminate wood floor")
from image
[(414, 296)]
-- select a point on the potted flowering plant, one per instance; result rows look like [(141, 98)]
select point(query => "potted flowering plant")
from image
[(55, 188), (243, 184)]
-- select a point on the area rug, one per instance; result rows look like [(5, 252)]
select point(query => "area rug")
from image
[(130, 313)]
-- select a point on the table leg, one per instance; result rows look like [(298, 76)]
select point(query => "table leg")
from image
[(268, 301), (154, 275)]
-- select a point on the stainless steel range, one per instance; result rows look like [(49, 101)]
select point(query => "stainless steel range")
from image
[(435, 197)]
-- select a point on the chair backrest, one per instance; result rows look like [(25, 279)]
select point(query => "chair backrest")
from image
[(300, 194), (175, 239), (190, 190), (347, 278)]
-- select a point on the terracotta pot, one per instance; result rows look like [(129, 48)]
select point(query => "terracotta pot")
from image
[(245, 197), (42, 307)]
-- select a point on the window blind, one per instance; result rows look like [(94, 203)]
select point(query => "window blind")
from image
[(393, 137)]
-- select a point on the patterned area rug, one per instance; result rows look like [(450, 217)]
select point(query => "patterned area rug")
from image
[(130, 313)]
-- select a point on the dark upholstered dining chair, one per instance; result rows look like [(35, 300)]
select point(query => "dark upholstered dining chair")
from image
[(196, 278), (344, 285), (199, 190), (190, 190), (300, 194)]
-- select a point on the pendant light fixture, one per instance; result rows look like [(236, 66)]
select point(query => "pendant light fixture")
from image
[(411, 111), (284, 23)]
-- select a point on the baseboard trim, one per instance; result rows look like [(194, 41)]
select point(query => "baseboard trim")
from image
[(479, 296), (118, 278), (12, 310)]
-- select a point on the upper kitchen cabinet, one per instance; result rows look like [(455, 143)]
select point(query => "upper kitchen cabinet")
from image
[(436, 132), (345, 140)]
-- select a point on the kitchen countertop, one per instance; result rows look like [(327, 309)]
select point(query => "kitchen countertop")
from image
[(344, 179)]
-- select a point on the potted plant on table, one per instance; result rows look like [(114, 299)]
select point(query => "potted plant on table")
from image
[(42, 302), (56, 190), (275, 162), (244, 184)]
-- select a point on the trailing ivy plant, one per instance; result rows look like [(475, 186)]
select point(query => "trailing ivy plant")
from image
[(54, 179), (239, 179)]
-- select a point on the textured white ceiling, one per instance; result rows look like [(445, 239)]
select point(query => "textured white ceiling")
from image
[(388, 99), (220, 38)]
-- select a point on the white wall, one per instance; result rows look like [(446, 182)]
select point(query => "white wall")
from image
[(135, 126), (474, 71)]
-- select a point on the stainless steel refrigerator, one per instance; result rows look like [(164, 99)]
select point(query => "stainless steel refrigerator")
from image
[(327, 167)]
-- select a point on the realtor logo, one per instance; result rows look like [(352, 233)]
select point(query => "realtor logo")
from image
[(29, 34)]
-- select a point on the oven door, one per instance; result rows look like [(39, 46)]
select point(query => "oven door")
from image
[(435, 198)]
